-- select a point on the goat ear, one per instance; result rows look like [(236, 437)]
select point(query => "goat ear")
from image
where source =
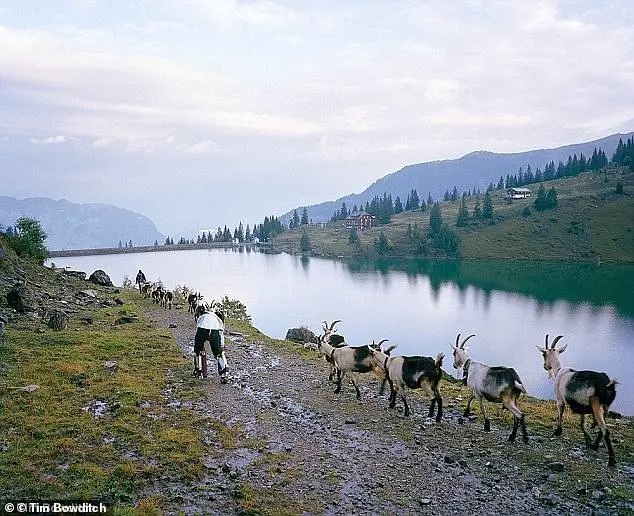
[(541, 350), (562, 348)]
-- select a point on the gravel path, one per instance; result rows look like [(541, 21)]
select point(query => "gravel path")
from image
[(301, 447)]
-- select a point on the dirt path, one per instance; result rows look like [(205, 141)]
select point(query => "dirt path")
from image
[(291, 445)]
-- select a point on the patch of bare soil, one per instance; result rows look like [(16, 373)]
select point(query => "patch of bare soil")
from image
[(287, 444)]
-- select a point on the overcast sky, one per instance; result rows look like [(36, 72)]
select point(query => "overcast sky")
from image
[(199, 113)]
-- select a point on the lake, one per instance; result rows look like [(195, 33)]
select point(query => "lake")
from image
[(419, 305)]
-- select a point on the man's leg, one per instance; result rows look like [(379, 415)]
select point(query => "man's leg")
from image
[(199, 343), (218, 350)]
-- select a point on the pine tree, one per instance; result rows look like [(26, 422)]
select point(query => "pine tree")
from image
[(304, 220), (487, 209), (304, 242), (463, 213), (295, 219), (435, 219), (540, 202), (398, 207), (381, 244), (120, 244), (247, 234), (353, 236), (430, 201), (423, 206), (551, 198), (477, 210)]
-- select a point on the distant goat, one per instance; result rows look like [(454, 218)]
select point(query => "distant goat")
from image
[(169, 298), (410, 372), (192, 301), (496, 384), (585, 392)]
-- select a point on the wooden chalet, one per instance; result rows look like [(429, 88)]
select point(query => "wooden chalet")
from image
[(360, 220), (518, 193)]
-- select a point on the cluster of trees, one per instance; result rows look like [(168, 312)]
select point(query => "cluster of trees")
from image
[(270, 227), (543, 200), (438, 236), (26, 238), (295, 222), (453, 195), (384, 207), (624, 154), (573, 167), (484, 212)]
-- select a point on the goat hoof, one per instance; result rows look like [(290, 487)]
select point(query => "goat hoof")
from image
[(558, 432), (612, 462), (487, 426), (511, 438)]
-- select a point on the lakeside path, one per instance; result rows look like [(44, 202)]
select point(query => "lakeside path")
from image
[(279, 441)]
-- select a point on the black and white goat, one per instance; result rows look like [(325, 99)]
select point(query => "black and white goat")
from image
[(347, 360), (409, 372), (335, 340), (169, 298), (497, 384), (585, 392), (192, 301)]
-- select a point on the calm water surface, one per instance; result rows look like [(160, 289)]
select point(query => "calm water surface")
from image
[(421, 306)]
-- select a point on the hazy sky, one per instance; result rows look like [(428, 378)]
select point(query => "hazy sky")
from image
[(200, 113)]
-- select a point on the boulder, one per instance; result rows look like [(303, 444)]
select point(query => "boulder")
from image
[(301, 335), (58, 320), (99, 277), (19, 299)]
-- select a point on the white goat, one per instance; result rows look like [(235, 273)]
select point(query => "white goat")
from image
[(496, 384), (585, 392), (410, 372)]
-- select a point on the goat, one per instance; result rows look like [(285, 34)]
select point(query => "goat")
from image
[(146, 290), (585, 392), (495, 384), (192, 301), (412, 372), (169, 298), (336, 341), (156, 295), (347, 360)]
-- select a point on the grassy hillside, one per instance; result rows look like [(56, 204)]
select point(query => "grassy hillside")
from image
[(591, 221)]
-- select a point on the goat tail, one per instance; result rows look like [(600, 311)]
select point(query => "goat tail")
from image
[(520, 386), (439, 358)]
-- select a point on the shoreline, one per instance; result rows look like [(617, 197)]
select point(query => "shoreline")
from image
[(63, 253)]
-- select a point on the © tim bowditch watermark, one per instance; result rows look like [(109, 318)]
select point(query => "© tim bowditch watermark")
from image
[(56, 507)]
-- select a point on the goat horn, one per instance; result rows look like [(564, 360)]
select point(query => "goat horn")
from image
[(465, 340), (457, 339), (556, 340), (547, 341), (333, 324), (379, 344)]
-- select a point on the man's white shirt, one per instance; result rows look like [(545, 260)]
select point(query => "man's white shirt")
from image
[(210, 321)]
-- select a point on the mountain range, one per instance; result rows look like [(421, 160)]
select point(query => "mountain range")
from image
[(81, 226), (474, 170)]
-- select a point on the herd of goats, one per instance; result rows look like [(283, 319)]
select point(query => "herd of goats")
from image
[(585, 392)]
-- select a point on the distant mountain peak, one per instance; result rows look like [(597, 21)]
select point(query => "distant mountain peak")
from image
[(81, 226)]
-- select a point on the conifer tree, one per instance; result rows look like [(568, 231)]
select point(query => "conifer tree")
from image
[(487, 209)]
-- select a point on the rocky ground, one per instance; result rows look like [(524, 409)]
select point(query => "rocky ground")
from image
[(294, 446)]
